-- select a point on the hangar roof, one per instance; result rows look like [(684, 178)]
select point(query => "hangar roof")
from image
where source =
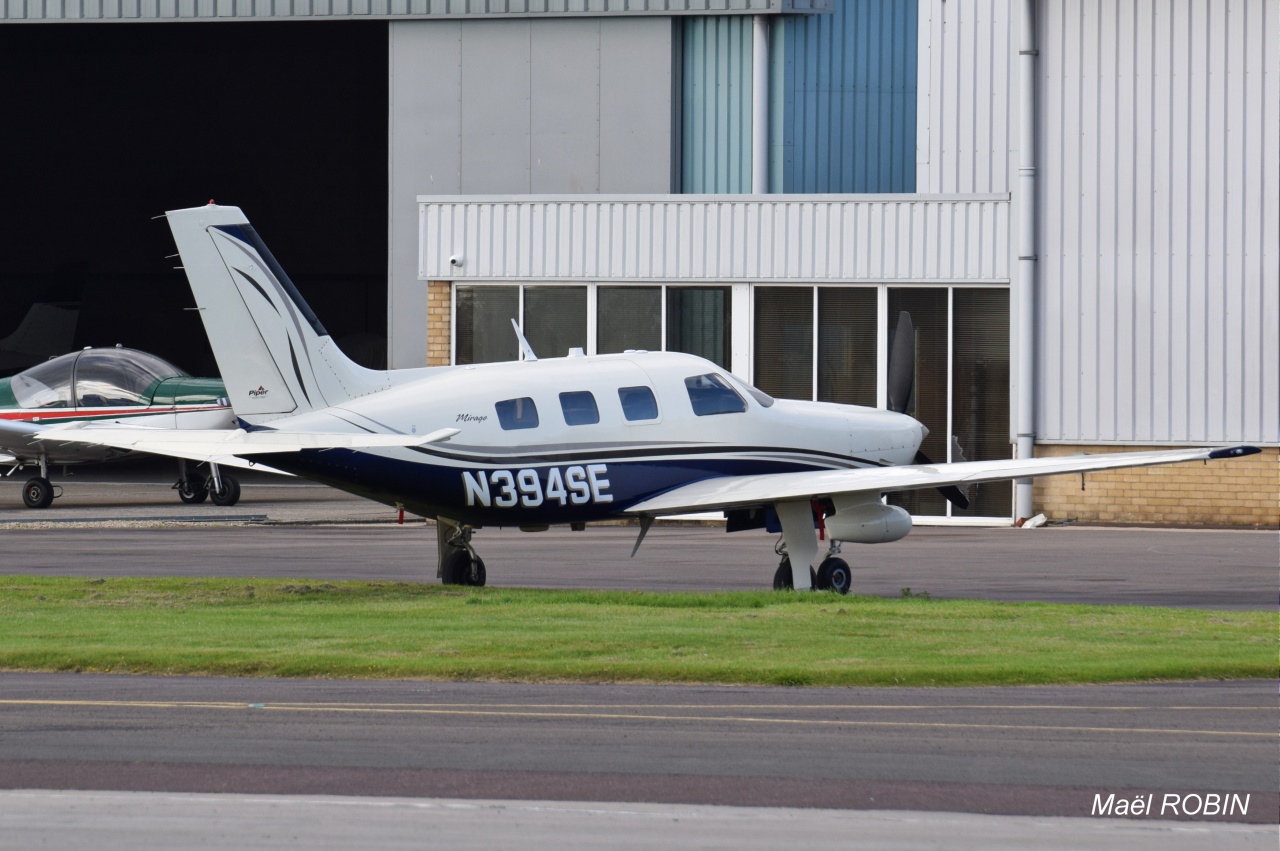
[(84, 11)]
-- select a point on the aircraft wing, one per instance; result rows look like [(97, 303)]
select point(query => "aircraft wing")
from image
[(747, 491), (15, 434), (216, 444)]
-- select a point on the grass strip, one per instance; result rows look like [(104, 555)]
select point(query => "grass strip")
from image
[(269, 627)]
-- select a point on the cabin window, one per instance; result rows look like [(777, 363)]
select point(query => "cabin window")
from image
[(711, 394), (638, 403), (579, 408), (517, 413)]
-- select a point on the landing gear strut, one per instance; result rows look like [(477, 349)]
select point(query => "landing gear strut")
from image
[(800, 541), (458, 562)]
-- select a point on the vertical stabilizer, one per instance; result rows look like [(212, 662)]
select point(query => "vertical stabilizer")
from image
[(274, 355)]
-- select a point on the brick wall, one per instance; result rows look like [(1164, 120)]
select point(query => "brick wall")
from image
[(439, 317), (1233, 492)]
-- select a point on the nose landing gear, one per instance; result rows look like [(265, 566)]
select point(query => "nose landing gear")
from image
[(458, 563)]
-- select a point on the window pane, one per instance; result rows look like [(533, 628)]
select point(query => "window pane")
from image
[(638, 403), (928, 404), (980, 393), (698, 322), (555, 320), (784, 342), (847, 345), (628, 318), (483, 317), (579, 408), (711, 394), (517, 413)]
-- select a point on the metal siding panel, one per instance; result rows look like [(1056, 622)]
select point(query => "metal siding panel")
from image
[(716, 83), (496, 119), (966, 96), (1159, 208), (711, 239), (564, 106), (635, 106), (850, 99), (423, 137)]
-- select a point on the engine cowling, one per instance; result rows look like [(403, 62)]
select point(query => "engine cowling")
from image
[(869, 523)]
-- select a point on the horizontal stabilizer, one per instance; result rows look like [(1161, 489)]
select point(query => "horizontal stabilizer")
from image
[(746, 491), (211, 444)]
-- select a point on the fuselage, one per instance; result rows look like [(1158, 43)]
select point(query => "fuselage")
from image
[(577, 439)]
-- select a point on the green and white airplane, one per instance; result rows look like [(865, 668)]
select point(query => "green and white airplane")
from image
[(107, 385)]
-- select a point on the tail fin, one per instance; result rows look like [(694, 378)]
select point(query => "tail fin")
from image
[(274, 355)]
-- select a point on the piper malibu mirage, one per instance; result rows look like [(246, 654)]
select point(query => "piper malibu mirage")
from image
[(555, 441), (115, 385)]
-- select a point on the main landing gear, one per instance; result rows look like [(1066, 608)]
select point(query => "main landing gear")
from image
[(194, 488), (458, 563), (799, 549)]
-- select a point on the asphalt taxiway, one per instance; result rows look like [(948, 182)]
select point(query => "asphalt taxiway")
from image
[(882, 757)]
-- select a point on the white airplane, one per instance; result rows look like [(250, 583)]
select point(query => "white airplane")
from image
[(556, 441)]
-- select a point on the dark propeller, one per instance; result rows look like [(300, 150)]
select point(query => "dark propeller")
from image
[(902, 376)]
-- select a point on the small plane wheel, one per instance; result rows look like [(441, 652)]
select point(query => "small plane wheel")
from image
[(193, 490), (834, 575), (782, 580), (230, 493), (37, 493), (457, 563), (474, 573)]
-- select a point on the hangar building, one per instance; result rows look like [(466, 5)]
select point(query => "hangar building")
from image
[(1077, 202)]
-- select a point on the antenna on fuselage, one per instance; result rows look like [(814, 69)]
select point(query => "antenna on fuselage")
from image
[(525, 348)]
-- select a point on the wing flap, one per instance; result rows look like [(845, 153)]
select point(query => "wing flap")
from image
[(744, 491)]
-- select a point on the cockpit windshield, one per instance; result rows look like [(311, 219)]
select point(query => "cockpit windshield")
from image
[(93, 378)]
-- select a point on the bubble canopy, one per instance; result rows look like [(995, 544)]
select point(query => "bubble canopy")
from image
[(93, 378)]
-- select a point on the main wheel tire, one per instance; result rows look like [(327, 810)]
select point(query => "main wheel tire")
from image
[(782, 580), (455, 567), (230, 493), (193, 490), (475, 574), (37, 493), (834, 575)]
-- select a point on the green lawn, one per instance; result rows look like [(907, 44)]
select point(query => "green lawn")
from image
[(269, 627)]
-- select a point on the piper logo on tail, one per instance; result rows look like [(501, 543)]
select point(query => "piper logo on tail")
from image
[(259, 393)]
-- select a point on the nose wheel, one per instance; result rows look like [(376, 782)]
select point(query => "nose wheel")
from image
[(37, 493)]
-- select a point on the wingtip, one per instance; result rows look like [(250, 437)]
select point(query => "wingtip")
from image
[(1234, 452)]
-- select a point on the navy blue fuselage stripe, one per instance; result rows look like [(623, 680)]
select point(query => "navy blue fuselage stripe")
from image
[(435, 489)]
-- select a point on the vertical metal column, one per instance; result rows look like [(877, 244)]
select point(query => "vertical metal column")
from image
[(760, 105), (1026, 280)]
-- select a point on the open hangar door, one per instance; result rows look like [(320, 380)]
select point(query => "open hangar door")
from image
[(108, 125)]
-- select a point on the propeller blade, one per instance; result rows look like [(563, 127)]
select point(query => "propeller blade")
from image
[(954, 495), (902, 364)]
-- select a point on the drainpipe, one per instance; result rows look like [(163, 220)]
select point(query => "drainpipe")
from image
[(760, 105), (1026, 282)]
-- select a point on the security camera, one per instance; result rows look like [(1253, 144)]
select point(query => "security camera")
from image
[(455, 260)]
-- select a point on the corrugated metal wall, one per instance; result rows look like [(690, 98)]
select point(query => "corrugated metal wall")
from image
[(222, 10), (968, 106), (1159, 214), (715, 105), (886, 238), (849, 96), (842, 101)]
